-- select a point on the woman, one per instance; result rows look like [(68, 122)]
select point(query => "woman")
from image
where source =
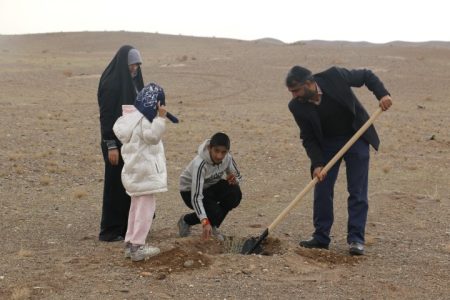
[(119, 85)]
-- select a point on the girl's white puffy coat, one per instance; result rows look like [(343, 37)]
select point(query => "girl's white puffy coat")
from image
[(144, 171)]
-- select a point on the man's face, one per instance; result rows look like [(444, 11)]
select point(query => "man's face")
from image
[(303, 91), (217, 153), (133, 68)]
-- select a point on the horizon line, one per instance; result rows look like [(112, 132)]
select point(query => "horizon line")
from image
[(229, 38)]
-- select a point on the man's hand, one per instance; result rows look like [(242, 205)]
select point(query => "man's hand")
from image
[(385, 102), (207, 231), (319, 174), (113, 157), (231, 178)]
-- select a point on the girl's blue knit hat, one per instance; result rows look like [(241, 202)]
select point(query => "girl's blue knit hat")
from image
[(147, 99)]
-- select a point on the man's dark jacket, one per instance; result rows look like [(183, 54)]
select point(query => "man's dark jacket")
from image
[(337, 83)]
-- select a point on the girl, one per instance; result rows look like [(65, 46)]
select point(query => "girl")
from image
[(144, 173)]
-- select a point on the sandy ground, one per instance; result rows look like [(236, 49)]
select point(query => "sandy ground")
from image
[(52, 170)]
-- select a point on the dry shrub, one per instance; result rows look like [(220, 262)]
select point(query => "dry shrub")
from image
[(14, 156), (53, 167), (44, 180), (21, 293), (435, 196), (44, 154), (24, 253), (79, 193), (446, 248), (182, 58), (386, 169), (67, 73), (18, 169)]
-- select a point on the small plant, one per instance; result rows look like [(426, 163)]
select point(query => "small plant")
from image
[(233, 244)]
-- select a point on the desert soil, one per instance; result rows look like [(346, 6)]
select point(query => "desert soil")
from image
[(51, 174)]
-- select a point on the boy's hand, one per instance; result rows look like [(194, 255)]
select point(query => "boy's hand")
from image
[(113, 157), (161, 110), (207, 231), (231, 178)]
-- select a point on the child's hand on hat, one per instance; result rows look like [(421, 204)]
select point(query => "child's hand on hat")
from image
[(162, 110)]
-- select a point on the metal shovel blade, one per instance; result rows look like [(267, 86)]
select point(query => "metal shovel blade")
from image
[(253, 245)]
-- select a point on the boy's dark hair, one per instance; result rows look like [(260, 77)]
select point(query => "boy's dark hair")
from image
[(297, 75), (220, 139)]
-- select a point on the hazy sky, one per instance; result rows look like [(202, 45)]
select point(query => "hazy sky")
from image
[(376, 21)]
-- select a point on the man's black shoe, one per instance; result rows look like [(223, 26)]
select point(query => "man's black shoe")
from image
[(356, 248), (313, 243)]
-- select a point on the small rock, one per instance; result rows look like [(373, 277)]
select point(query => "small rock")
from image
[(161, 276), (188, 263), (124, 290), (146, 274), (265, 270), (432, 138)]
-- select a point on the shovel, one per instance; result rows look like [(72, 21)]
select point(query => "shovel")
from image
[(254, 244)]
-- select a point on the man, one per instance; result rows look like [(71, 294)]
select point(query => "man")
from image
[(328, 114)]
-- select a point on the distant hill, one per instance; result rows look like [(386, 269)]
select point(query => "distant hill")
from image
[(269, 41)]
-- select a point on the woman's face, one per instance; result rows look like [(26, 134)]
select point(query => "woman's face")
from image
[(133, 68)]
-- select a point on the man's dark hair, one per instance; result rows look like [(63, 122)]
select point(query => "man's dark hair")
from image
[(297, 75), (220, 139)]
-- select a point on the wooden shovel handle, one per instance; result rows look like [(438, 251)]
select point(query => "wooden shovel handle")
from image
[(328, 166)]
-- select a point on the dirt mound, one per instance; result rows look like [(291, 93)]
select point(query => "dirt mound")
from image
[(189, 254), (174, 260)]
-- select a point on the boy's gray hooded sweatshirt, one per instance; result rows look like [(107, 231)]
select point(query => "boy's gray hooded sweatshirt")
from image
[(201, 173)]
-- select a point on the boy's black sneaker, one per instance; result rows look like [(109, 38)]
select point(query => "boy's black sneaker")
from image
[(313, 244)]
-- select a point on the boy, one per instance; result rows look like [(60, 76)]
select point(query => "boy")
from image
[(204, 190)]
